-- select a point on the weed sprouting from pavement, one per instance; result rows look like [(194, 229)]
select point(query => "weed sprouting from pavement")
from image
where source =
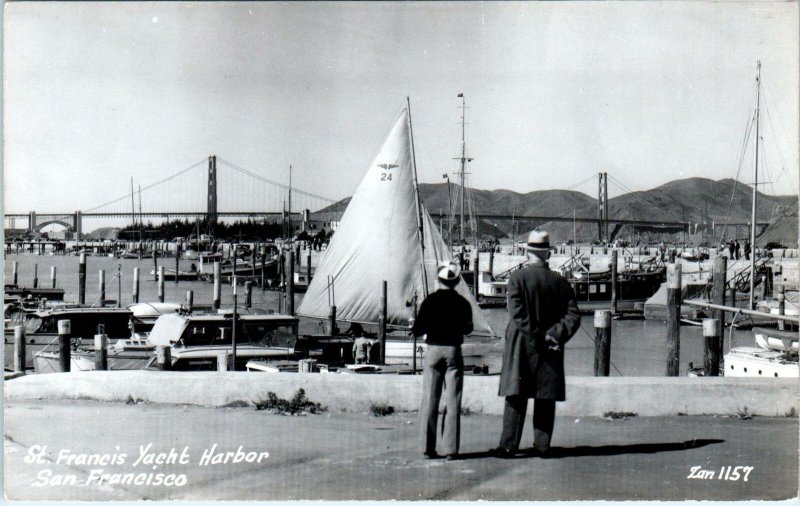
[(299, 405), (618, 415), (742, 414), (380, 409)]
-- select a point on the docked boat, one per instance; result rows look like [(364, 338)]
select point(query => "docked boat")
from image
[(41, 329), (170, 274), (386, 234), (198, 342), (774, 356), (593, 292)]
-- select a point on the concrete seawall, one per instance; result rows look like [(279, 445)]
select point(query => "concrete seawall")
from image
[(586, 396)]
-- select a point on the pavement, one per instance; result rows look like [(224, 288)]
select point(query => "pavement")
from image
[(339, 456)]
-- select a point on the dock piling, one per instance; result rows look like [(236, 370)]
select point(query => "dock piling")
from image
[(155, 262), (102, 277), (177, 260), (290, 283), (332, 321), (614, 282), (217, 288), (673, 319), (82, 279), (382, 323), (189, 300), (19, 349), (161, 283), (135, 285), (100, 352), (64, 333), (36, 275), (602, 342), (14, 272), (711, 350), (52, 276), (164, 358), (781, 297), (719, 282), (248, 294)]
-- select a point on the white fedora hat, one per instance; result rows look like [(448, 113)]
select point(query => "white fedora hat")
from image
[(448, 271), (538, 240)]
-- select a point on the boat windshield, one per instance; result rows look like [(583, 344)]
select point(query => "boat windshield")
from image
[(220, 333)]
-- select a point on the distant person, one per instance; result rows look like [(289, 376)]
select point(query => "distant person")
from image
[(543, 316), (444, 317), (731, 250), (747, 250), (737, 248)]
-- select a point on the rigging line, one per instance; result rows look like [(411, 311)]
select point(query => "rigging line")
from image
[(766, 99), (743, 151), (265, 180), (128, 195), (775, 136)]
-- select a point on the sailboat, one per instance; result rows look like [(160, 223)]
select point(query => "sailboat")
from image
[(386, 234), (776, 352)]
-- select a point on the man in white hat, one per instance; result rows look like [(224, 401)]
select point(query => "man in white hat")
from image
[(444, 317), (543, 316)]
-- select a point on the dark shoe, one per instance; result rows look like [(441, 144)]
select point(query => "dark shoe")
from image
[(453, 456), (431, 455), (503, 453), (542, 453)]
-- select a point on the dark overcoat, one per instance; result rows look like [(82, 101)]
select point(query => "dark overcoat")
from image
[(540, 302)]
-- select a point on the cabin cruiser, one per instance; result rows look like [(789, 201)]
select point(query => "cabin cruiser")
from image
[(774, 356)]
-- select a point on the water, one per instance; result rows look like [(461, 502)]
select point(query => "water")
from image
[(638, 347)]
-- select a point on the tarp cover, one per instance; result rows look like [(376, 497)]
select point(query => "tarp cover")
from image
[(377, 240)]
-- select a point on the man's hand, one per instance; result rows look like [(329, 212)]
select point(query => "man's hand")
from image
[(552, 343)]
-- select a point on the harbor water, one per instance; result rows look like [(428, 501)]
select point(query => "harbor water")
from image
[(638, 346)]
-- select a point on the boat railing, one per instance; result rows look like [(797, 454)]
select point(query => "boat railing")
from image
[(751, 312)]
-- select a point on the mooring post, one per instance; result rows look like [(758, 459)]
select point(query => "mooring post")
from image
[(719, 282), (135, 285), (155, 262), (52, 276), (491, 260), (248, 294), (672, 255), (217, 288), (673, 318), (308, 268), (731, 297), (781, 305), (14, 271), (161, 283), (100, 352), (602, 342), (64, 333), (382, 323), (711, 351), (290, 284), (177, 260), (233, 326), (332, 321), (476, 274), (253, 258), (102, 278), (19, 349), (82, 279), (164, 358), (263, 268), (614, 282), (189, 300), (36, 275)]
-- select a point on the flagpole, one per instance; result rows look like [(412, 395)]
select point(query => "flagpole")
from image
[(419, 203)]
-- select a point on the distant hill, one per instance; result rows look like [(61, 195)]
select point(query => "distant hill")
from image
[(700, 201), (102, 234)]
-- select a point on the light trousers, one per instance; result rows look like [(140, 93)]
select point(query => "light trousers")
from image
[(443, 366)]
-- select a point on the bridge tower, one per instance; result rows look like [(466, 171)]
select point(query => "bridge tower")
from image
[(77, 224), (602, 210), (211, 213), (31, 221)]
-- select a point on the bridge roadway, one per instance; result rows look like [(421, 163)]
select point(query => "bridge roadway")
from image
[(505, 217)]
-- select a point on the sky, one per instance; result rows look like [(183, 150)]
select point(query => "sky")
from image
[(95, 94)]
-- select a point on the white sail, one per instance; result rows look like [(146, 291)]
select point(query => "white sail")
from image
[(376, 240)]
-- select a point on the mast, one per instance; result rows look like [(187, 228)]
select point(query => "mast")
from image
[(421, 231), (140, 206), (755, 194), (290, 203), (463, 165)]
